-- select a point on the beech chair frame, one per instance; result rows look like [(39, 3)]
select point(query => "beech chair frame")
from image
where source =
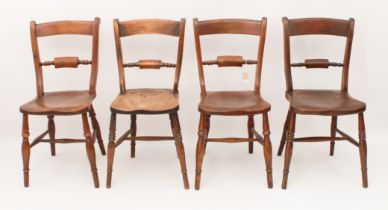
[(144, 27), (241, 27), (321, 26), (37, 106)]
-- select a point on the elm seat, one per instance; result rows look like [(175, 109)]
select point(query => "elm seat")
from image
[(233, 103), (324, 102), (146, 100), (59, 103)]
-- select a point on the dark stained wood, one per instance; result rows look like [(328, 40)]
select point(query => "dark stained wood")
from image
[(147, 101), (250, 125), (51, 129), (316, 63), (333, 132), (347, 137), (324, 102), (333, 103), (229, 26), (74, 102), (133, 134), (326, 26), (232, 103), (229, 61), (363, 149)]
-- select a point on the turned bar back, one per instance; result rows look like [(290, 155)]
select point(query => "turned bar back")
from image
[(230, 26), (318, 26), (149, 26), (88, 28)]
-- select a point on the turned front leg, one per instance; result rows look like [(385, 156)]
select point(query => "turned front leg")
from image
[(25, 150)]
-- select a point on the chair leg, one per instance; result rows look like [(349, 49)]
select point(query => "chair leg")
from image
[(251, 124), (90, 149), (111, 148), (289, 147), (26, 150), (133, 134), (267, 149), (207, 131), (332, 134), (96, 128), (363, 149), (51, 129), (284, 135), (176, 129), (200, 150)]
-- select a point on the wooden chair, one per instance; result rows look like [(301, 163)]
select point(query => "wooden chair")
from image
[(232, 103), (147, 101), (63, 103), (320, 102)]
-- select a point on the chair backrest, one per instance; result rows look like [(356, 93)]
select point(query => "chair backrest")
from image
[(230, 26), (89, 28), (149, 26), (317, 26)]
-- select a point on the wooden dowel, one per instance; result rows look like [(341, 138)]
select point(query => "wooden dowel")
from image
[(151, 138), (122, 138), (258, 137), (64, 141), (66, 62), (317, 139), (38, 139), (149, 64), (317, 63), (347, 137), (230, 140)]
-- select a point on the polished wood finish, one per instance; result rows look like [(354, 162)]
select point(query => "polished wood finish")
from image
[(66, 62), (229, 61), (59, 103), (324, 102), (149, 26), (316, 63), (150, 64), (147, 101), (232, 103), (229, 26), (333, 103), (63, 102)]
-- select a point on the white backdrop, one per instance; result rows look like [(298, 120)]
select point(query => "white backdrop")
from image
[(231, 178)]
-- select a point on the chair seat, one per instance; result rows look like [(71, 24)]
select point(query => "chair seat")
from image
[(146, 101), (324, 102), (233, 103), (59, 103)]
